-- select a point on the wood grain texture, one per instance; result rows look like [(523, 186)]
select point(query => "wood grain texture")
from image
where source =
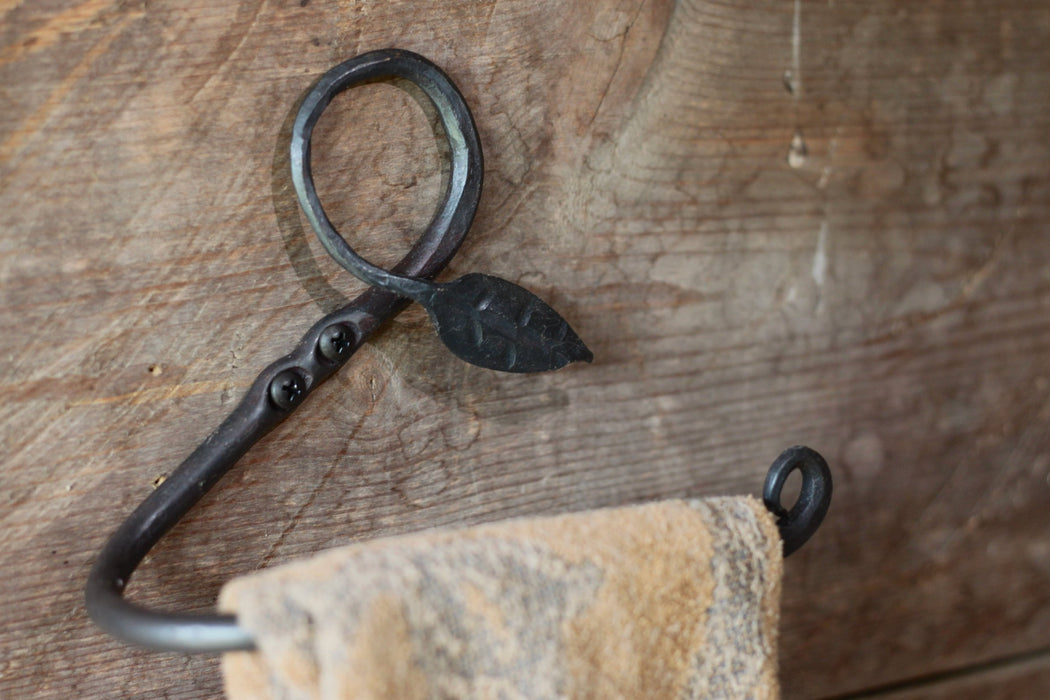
[(1027, 676), (774, 223)]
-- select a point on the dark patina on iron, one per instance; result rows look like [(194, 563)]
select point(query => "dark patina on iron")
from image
[(484, 320)]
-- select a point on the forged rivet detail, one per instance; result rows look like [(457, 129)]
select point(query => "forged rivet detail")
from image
[(336, 342), (287, 389)]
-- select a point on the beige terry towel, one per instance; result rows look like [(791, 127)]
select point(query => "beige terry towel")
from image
[(678, 599)]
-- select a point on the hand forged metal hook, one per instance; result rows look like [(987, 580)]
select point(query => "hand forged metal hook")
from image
[(482, 319)]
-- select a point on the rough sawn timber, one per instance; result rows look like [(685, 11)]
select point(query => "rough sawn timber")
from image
[(774, 223)]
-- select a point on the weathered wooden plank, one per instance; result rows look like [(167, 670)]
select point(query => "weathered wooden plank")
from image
[(1025, 677), (774, 223)]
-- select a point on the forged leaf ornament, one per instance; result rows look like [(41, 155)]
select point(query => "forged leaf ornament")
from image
[(493, 323)]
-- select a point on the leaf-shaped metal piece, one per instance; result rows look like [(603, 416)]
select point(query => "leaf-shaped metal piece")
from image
[(493, 323)]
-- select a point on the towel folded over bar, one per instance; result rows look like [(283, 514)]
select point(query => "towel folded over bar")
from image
[(675, 599)]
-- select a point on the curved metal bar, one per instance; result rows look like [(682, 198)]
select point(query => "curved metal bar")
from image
[(282, 386), (798, 524)]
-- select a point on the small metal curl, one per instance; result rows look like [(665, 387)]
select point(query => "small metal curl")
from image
[(798, 524)]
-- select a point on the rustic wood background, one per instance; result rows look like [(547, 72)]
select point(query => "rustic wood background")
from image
[(773, 222)]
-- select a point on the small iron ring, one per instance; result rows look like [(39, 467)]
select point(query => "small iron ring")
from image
[(798, 524)]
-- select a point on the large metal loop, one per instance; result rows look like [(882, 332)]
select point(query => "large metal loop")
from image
[(444, 234)]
